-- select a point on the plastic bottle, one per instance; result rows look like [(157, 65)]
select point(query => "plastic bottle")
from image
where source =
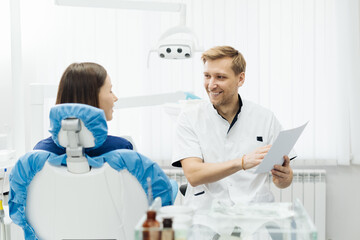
[(151, 227), (167, 232)]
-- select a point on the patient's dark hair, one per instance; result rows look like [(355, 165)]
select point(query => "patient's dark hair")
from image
[(81, 83)]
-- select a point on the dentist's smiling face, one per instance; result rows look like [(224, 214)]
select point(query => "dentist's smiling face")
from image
[(107, 98), (221, 83)]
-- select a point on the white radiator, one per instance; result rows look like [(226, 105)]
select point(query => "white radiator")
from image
[(308, 186)]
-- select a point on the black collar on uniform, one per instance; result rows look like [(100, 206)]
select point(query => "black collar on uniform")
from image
[(237, 114)]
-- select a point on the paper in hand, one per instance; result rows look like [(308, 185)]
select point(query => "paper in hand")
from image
[(281, 147)]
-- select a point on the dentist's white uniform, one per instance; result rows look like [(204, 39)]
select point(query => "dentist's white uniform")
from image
[(203, 133)]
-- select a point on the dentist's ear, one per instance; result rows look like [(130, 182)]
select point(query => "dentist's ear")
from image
[(241, 79)]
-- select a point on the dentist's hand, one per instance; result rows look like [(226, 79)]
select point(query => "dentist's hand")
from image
[(282, 175), (253, 159)]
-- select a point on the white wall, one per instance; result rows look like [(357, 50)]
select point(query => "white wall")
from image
[(343, 206), (343, 202)]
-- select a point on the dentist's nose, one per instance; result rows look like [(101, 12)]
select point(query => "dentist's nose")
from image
[(212, 84)]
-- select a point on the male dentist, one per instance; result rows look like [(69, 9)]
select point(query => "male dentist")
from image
[(220, 143)]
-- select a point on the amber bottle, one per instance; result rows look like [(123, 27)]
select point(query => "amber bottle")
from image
[(151, 227)]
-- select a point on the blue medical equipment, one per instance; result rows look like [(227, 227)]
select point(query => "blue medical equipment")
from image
[(74, 196)]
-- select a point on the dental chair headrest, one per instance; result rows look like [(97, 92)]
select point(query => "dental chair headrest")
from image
[(93, 127)]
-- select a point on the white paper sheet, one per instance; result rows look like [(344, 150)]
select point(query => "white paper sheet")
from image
[(281, 147)]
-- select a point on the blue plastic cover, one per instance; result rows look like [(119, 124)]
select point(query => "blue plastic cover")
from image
[(138, 165), (92, 117), (189, 95), (31, 163)]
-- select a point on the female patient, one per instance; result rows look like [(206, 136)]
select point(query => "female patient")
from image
[(87, 83)]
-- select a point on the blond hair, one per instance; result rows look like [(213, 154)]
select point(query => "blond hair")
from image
[(238, 60)]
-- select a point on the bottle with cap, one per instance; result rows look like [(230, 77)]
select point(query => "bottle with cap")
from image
[(167, 232), (151, 227)]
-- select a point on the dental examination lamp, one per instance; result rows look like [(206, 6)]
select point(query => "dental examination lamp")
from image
[(170, 46), (176, 48)]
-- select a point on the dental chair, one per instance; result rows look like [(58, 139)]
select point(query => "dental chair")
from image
[(74, 196)]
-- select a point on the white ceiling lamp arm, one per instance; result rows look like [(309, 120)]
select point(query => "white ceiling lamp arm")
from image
[(177, 30), (135, 5), (166, 48), (182, 14)]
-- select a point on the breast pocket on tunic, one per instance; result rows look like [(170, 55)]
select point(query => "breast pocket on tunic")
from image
[(252, 142)]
